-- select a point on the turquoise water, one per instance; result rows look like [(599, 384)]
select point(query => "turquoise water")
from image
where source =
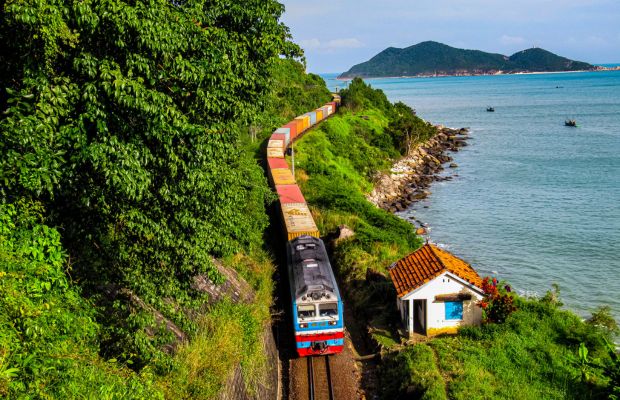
[(532, 201)]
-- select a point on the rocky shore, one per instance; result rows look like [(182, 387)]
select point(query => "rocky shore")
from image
[(409, 178)]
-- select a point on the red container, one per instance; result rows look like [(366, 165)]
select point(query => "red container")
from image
[(275, 163), (293, 127), (279, 136), (290, 194)]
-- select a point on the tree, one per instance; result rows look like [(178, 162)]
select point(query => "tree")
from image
[(121, 119), (407, 129)]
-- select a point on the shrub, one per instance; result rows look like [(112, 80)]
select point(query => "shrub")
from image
[(498, 302)]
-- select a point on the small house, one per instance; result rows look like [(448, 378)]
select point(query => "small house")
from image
[(436, 291)]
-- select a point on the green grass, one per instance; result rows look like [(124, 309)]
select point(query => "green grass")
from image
[(229, 335), (335, 164), (533, 355)]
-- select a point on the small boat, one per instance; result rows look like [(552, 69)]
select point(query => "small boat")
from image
[(490, 109), (570, 122)]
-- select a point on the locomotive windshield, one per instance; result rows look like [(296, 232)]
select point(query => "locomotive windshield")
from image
[(328, 309), (306, 311)]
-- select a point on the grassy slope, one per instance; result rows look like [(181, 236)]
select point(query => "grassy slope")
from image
[(533, 355)]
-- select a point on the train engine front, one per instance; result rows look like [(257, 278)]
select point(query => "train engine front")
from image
[(317, 306)]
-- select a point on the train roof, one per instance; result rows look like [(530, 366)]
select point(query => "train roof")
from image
[(312, 272)]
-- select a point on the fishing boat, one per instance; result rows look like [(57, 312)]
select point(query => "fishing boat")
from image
[(490, 109), (570, 122)]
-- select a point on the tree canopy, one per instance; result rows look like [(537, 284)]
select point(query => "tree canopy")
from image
[(121, 123), (120, 117)]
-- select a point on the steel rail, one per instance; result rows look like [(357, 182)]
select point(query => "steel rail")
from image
[(329, 379), (310, 379)]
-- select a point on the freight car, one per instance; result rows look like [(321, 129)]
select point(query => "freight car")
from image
[(316, 304)]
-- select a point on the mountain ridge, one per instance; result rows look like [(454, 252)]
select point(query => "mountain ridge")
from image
[(434, 58)]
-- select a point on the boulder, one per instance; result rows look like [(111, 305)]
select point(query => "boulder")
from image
[(344, 232)]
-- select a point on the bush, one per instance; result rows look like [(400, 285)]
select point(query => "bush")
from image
[(48, 335)]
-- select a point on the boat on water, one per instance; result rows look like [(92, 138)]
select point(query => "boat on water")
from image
[(570, 122), (490, 109)]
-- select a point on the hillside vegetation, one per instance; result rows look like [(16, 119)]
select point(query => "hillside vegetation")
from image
[(335, 165), (430, 58), (124, 178), (539, 352)]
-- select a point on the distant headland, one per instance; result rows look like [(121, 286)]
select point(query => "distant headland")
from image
[(438, 59)]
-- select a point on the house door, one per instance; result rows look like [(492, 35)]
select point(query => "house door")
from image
[(419, 316)]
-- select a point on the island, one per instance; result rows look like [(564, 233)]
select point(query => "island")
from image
[(438, 59)]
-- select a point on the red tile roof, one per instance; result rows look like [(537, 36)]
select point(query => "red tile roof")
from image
[(426, 263)]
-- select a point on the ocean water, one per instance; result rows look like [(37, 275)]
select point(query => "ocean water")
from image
[(532, 202)]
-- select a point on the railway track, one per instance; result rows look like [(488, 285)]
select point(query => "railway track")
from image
[(319, 379)]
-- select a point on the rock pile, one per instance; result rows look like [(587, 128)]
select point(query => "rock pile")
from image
[(410, 177)]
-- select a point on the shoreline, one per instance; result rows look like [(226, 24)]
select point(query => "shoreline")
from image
[(602, 69), (410, 177)]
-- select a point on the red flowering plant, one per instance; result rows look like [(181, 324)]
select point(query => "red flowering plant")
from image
[(498, 301)]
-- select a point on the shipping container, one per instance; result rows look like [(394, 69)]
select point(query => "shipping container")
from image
[(278, 136), (330, 109), (275, 163), (300, 125), (287, 134), (282, 176), (290, 194), (275, 152), (292, 125), (312, 116), (298, 220), (305, 122), (319, 114), (306, 119), (276, 144)]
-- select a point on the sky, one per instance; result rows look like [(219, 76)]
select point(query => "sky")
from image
[(337, 34)]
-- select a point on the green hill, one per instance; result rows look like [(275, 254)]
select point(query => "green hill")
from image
[(432, 58)]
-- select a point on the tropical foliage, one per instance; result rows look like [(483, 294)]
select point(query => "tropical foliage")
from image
[(120, 136), (48, 335)]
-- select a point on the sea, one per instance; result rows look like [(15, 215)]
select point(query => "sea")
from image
[(532, 202)]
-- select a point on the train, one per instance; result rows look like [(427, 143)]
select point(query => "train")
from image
[(316, 304)]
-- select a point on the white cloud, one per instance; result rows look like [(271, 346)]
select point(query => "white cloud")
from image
[(310, 44), (347, 43), (508, 40), (331, 45)]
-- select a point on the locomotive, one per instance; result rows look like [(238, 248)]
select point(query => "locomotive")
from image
[(316, 303)]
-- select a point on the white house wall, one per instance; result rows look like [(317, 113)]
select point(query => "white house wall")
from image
[(446, 283)]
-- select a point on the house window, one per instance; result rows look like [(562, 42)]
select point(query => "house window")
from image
[(454, 310)]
